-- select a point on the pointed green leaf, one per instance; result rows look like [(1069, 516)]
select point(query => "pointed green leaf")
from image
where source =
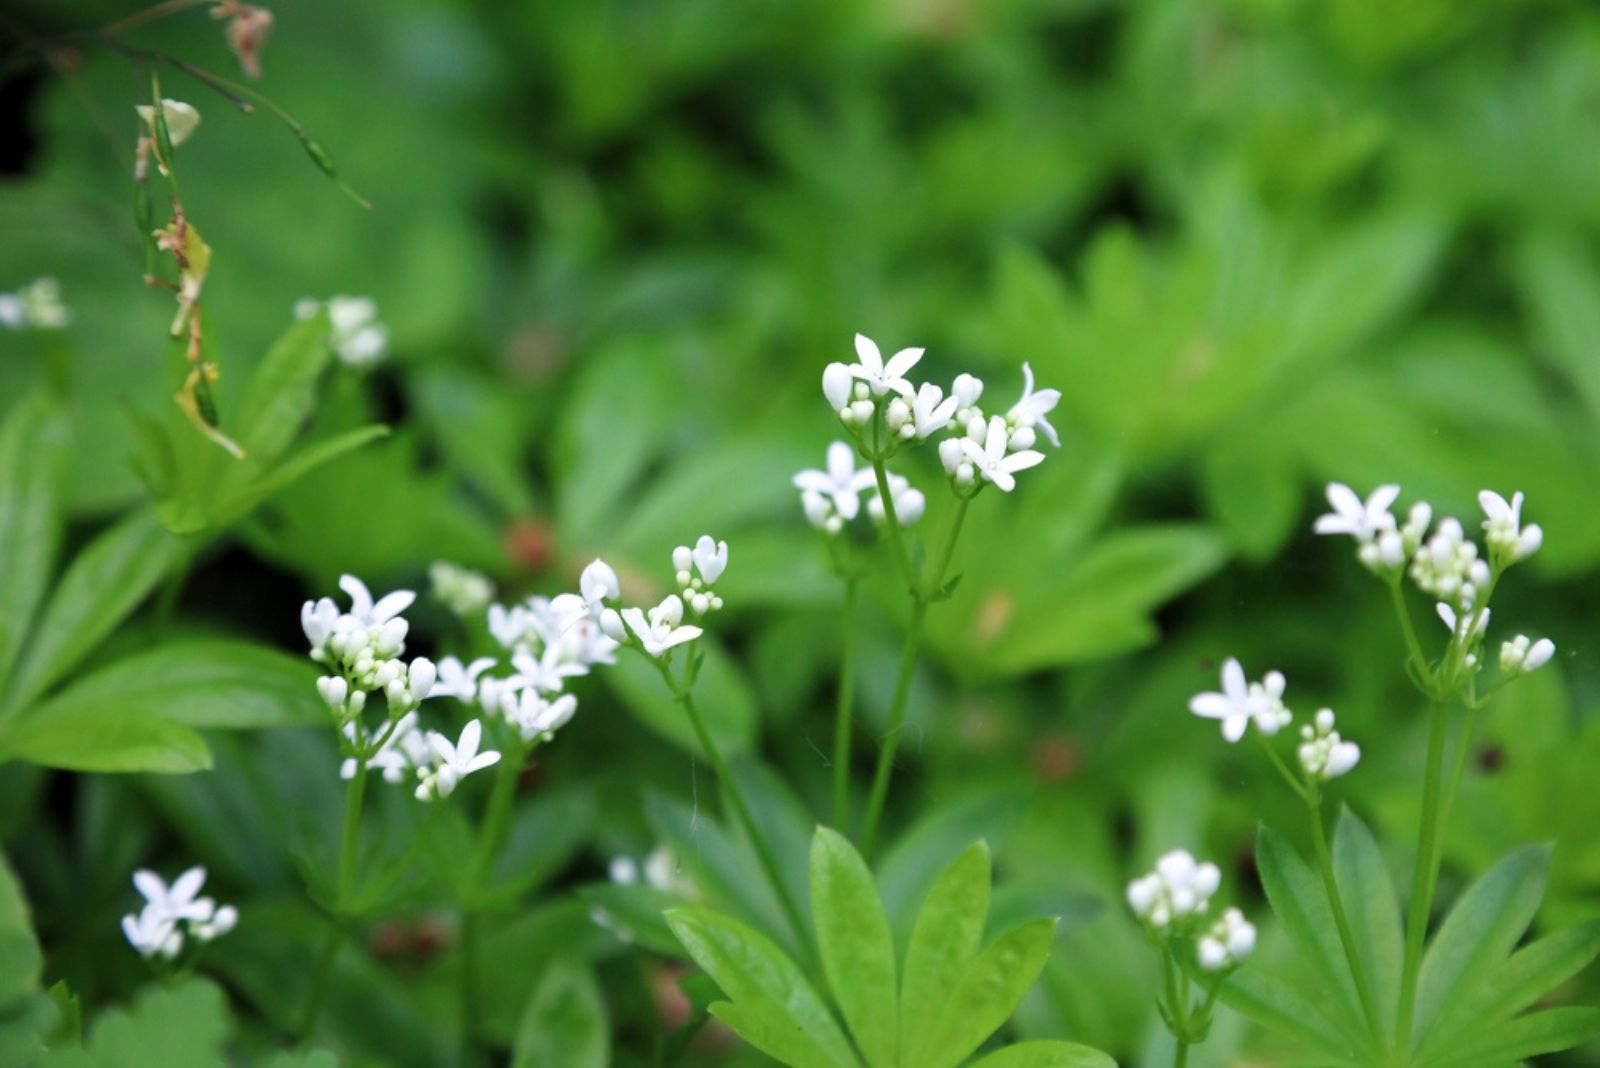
[(857, 950), (105, 582), (565, 1023), (1275, 1004), (989, 991), (1047, 1055), (33, 454), (947, 936), (1549, 1031), (282, 391), (1373, 909), (103, 741), (238, 502), (1483, 927), (1301, 903), (774, 1032), (749, 968)]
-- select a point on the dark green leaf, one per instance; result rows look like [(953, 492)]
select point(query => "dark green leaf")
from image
[(1372, 908), (33, 454), (857, 950), (946, 938), (565, 1024), (989, 991)]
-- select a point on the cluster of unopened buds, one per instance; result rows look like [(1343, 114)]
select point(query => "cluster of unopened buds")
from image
[(36, 306), (172, 913), (1323, 754), (354, 332), (658, 630), (464, 591), (882, 409), (1175, 900)]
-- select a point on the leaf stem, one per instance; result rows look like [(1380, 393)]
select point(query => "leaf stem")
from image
[(1425, 878), (349, 843), (846, 707)]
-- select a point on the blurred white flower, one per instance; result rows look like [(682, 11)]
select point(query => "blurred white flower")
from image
[(1521, 655), (403, 749), (1450, 619), (152, 934), (883, 377), (549, 671), (369, 614), (1029, 413), (1240, 703), (1503, 529), (909, 503), (1178, 888), (1323, 753), (465, 592), (1227, 944), (1363, 520), (36, 305), (181, 119), (839, 486), (158, 928), (991, 461), (1447, 566), (931, 411), (661, 630), (453, 762), (535, 716), (355, 334), (460, 680)]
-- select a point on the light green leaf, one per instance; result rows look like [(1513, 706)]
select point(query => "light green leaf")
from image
[(105, 582), (989, 991), (1549, 1031), (565, 1024), (96, 741), (857, 950), (239, 502), (21, 963), (1273, 1003), (1300, 902), (34, 446), (1482, 928), (282, 391), (1372, 907), (946, 938), (769, 1029), (1046, 1055), (750, 969), (637, 910), (201, 682), (182, 1026)]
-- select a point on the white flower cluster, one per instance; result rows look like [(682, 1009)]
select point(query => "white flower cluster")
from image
[(1447, 565), (883, 409), (1242, 703), (36, 306), (657, 631), (355, 333), (1323, 753), (171, 913), (1176, 898), (464, 591)]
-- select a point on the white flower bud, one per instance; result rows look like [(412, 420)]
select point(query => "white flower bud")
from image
[(420, 677), (1022, 438), (682, 559), (1539, 655), (861, 411), (334, 690), (966, 390), (950, 454), (836, 382), (909, 506), (964, 474), (898, 414), (611, 625)]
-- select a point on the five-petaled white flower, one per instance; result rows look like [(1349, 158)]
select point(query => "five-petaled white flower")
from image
[(1030, 411), (453, 762), (880, 376), (1363, 520), (1242, 702), (660, 630), (458, 680), (369, 614), (1503, 528), (992, 462), (841, 484)]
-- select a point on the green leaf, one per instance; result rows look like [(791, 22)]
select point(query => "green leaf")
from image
[(21, 963), (95, 741), (1372, 907), (1482, 928), (637, 910), (768, 1028), (201, 682), (752, 971), (946, 938), (1300, 902), (182, 1026), (989, 991), (565, 1024), (857, 950), (239, 502), (1528, 976), (1273, 1003), (1046, 1055), (1549, 1031), (282, 391), (34, 446), (105, 582)]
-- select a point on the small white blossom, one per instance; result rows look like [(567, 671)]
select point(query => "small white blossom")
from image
[(1029, 413), (596, 585), (1447, 566), (355, 334), (1179, 888), (1240, 703), (407, 691), (838, 384), (931, 411), (1227, 944), (1323, 753), (460, 680), (536, 716), (464, 592), (152, 934), (548, 672), (362, 607), (839, 487), (1363, 520), (1521, 655), (181, 119), (909, 503), (661, 630), (1503, 529), (158, 928), (992, 462), (36, 305), (403, 748), (453, 762), (883, 377)]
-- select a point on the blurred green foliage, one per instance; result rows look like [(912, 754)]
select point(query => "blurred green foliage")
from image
[(1258, 244)]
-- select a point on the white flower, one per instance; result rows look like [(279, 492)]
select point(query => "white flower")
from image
[(1228, 943), (464, 592), (840, 485), (991, 462), (549, 671), (1362, 520), (1503, 529), (407, 691), (1240, 703), (710, 558), (158, 928), (318, 619), (1450, 619), (1323, 753), (355, 334), (931, 410), (909, 503), (181, 119), (458, 680), (362, 608), (509, 626), (536, 717), (452, 763), (1179, 888), (1520, 655), (37, 305), (837, 385), (660, 631), (596, 585), (181, 900), (879, 376), (225, 919), (152, 934), (1029, 412)]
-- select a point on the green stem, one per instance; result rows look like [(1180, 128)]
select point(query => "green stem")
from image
[(1282, 768), (350, 840), (891, 523), (1457, 769), (741, 810), (1410, 632), (846, 709), (897, 716), (1427, 873), (1347, 938), (496, 820)]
